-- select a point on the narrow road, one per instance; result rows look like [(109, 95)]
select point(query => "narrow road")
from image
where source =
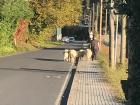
[(33, 78)]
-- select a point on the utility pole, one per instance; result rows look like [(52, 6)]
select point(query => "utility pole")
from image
[(116, 40), (101, 10)]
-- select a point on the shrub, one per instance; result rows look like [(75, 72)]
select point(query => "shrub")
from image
[(7, 50)]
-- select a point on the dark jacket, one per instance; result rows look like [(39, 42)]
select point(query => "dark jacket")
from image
[(95, 44)]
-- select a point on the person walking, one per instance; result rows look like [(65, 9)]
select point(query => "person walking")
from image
[(94, 48)]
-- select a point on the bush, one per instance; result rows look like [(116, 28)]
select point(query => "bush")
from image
[(7, 50), (24, 47), (11, 12)]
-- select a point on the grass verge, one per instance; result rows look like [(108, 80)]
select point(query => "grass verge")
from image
[(24, 47), (114, 75)]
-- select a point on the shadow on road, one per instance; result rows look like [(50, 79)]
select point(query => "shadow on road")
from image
[(34, 70), (54, 48), (77, 47), (42, 59)]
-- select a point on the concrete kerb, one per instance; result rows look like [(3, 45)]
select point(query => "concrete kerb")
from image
[(64, 86)]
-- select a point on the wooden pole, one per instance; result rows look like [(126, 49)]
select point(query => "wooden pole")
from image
[(101, 10), (111, 38), (93, 16), (106, 20), (123, 41), (116, 40), (97, 18), (90, 16)]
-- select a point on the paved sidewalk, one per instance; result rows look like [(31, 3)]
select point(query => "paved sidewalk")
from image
[(90, 86)]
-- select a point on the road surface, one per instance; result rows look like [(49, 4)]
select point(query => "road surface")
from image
[(33, 78)]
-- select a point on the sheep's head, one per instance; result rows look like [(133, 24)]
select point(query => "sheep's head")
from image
[(66, 50)]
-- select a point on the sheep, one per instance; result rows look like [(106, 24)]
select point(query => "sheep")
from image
[(73, 55), (66, 55), (88, 54), (81, 53)]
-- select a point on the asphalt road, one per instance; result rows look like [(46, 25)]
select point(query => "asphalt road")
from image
[(33, 78)]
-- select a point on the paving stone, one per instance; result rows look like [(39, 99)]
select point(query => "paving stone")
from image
[(90, 87)]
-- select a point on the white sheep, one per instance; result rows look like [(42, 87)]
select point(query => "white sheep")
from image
[(72, 54), (88, 54), (66, 55)]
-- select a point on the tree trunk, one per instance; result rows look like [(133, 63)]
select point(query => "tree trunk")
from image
[(111, 40), (19, 33), (101, 10), (106, 20), (97, 18), (90, 16), (93, 15), (123, 41), (116, 41), (134, 53)]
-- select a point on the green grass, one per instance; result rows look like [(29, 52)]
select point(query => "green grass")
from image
[(7, 51), (49, 44), (54, 43), (24, 47)]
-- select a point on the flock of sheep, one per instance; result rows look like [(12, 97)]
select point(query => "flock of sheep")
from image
[(71, 55)]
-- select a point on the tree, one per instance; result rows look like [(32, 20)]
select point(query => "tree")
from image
[(93, 18), (51, 14), (69, 13), (111, 38), (1, 4), (121, 8), (101, 20), (11, 13), (134, 53), (44, 14), (123, 40), (97, 18), (55, 12)]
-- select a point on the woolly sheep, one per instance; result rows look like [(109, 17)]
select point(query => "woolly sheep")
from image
[(88, 54), (66, 55), (73, 54)]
